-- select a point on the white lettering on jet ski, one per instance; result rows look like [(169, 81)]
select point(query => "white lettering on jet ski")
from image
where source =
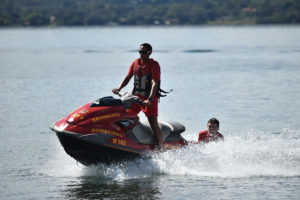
[(96, 119)]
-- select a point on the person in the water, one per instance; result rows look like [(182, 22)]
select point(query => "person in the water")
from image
[(212, 132)]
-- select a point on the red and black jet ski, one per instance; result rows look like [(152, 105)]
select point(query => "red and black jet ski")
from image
[(106, 131)]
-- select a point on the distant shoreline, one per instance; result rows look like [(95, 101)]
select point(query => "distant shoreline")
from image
[(211, 24), (38, 13)]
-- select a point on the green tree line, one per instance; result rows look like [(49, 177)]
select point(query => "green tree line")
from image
[(146, 12)]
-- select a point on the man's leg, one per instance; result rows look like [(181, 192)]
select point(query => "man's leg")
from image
[(156, 130)]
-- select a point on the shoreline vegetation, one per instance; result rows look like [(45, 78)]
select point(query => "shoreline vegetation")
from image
[(147, 12)]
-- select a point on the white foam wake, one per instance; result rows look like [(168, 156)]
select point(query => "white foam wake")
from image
[(238, 156), (253, 153)]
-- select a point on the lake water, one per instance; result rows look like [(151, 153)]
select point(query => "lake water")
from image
[(246, 76)]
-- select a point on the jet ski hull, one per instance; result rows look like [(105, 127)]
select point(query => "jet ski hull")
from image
[(89, 153)]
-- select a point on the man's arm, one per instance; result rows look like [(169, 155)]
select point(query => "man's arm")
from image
[(123, 84), (153, 91)]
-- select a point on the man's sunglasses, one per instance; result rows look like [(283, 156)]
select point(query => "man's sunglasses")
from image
[(144, 52)]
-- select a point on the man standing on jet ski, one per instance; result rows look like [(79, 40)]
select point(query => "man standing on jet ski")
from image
[(146, 72)]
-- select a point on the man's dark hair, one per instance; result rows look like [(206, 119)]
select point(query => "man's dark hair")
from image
[(148, 46), (214, 121)]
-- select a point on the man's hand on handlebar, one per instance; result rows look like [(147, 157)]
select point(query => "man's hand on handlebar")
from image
[(116, 91)]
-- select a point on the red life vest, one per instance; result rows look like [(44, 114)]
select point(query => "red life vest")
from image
[(142, 78), (205, 137)]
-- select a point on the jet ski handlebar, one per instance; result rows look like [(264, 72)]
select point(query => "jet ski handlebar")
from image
[(129, 99), (118, 93)]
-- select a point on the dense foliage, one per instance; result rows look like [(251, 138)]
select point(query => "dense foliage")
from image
[(147, 12)]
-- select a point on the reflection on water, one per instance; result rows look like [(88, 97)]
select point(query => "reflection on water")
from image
[(98, 188)]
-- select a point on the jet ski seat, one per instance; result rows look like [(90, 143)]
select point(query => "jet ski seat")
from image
[(144, 135)]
